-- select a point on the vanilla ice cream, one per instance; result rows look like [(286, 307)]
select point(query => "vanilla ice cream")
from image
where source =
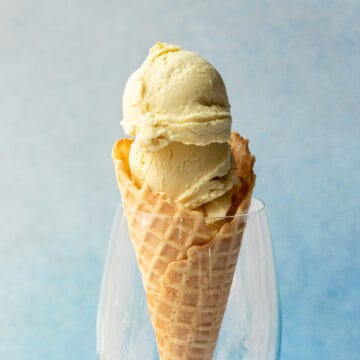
[(191, 175), (176, 107), (176, 96)]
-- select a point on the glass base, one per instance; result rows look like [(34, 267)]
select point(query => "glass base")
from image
[(251, 324)]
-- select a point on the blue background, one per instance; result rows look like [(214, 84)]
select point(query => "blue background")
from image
[(292, 70)]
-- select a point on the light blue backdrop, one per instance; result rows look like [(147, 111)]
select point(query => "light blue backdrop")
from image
[(292, 69)]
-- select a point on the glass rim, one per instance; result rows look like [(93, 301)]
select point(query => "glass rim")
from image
[(251, 212)]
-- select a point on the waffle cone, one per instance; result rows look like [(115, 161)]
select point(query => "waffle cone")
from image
[(187, 268)]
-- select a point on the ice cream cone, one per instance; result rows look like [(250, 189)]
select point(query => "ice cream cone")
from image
[(187, 268)]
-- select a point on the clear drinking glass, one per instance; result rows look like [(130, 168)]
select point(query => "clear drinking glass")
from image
[(251, 327)]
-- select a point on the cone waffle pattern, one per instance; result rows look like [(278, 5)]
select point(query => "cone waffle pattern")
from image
[(187, 269)]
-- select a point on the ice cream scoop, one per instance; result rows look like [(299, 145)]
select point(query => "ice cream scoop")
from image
[(176, 95), (191, 175), (176, 107)]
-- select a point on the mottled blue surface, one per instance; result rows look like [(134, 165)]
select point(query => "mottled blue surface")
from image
[(292, 69)]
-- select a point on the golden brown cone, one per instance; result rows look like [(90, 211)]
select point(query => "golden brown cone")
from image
[(187, 268)]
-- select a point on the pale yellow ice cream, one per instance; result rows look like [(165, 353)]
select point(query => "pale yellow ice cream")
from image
[(191, 175), (176, 107), (176, 96)]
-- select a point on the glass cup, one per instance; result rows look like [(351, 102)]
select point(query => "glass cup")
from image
[(251, 327)]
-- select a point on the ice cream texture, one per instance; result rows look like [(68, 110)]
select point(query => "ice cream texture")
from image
[(176, 107), (176, 95)]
